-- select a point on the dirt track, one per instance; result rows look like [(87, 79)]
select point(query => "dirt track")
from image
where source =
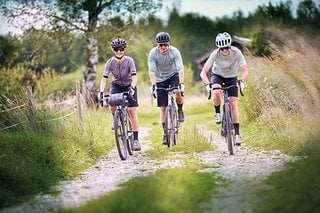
[(245, 170)]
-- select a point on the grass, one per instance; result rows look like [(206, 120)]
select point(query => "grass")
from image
[(32, 162), (172, 190), (295, 189), (190, 137)]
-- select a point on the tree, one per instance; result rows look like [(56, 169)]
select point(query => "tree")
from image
[(308, 14), (83, 16)]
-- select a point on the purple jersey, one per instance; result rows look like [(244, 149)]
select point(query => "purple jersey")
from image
[(121, 73)]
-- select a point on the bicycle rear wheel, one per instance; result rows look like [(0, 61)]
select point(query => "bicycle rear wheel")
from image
[(120, 135), (169, 126), (228, 128)]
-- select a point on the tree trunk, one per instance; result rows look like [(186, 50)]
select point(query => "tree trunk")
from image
[(91, 67)]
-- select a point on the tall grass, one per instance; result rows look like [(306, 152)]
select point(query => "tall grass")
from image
[(282, 98), (32, 162), (282, 112)]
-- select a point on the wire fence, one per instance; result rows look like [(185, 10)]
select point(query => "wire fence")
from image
[(77, 105)]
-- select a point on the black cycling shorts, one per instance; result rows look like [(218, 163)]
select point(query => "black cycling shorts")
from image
[(116, 88), (162, 95), (225, 82)]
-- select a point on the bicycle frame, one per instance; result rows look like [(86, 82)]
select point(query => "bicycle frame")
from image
[(122, 124), (172, 122), (227, 127)]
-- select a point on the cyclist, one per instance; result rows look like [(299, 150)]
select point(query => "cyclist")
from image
[(124, 78), (225, 62), (166, 68)]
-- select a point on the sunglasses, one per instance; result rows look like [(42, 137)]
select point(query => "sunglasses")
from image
[(118, 49), (224, 48), (163, 45)]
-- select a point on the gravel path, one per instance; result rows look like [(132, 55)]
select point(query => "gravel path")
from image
[(245, 170)]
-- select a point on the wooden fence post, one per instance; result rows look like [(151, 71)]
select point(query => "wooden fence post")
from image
[(32, 111), (79, 108)]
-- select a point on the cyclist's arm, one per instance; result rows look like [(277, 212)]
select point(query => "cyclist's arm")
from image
[(244, 72), (204, 73), (152, 67), (103, 83), (152, 77), (181, 77), (134, 81)]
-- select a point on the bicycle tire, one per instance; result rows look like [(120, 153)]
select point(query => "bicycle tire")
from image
[(228, 126), (129, 135), (176, 126), (120, 135), (169, 126)]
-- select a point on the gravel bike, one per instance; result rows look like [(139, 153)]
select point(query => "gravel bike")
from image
[(122, 124), (172, 123), (227, 128)]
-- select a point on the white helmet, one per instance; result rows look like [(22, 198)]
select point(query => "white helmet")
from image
[(223, 40)]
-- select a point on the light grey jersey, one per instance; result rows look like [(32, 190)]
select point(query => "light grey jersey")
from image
[(226, 66), (165, 65)]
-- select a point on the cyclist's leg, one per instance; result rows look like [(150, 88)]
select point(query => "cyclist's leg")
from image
[(114, 88), (233, 98), (162, 102), (132, 109), (134, 118), (174, 82), (216, 81), (162, 99)]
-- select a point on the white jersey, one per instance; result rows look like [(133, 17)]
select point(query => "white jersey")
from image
[(226, 66)]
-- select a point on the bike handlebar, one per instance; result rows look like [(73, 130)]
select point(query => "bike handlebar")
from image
[(170, 89), (224, 89)]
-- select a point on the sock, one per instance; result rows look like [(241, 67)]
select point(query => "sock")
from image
[(236, 128), (217, 108), (163, 126), (135, 135), (180, 107)]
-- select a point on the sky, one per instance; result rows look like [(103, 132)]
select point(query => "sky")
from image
[(220, 8), (209, 8)]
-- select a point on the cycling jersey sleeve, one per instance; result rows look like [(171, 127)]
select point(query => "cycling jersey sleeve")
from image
[(152, 61), (178, 60), (106, 69), (213, 56)]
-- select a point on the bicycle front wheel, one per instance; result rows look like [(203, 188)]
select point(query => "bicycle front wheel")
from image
[(175, 126), (228, 128), (129, 135), (169, 126), (120, 133)]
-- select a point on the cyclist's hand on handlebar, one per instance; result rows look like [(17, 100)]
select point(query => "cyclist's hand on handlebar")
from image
[(241, 84), (153, 91), (132, 91), (101, 99), (209, 87), (181, 87)]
